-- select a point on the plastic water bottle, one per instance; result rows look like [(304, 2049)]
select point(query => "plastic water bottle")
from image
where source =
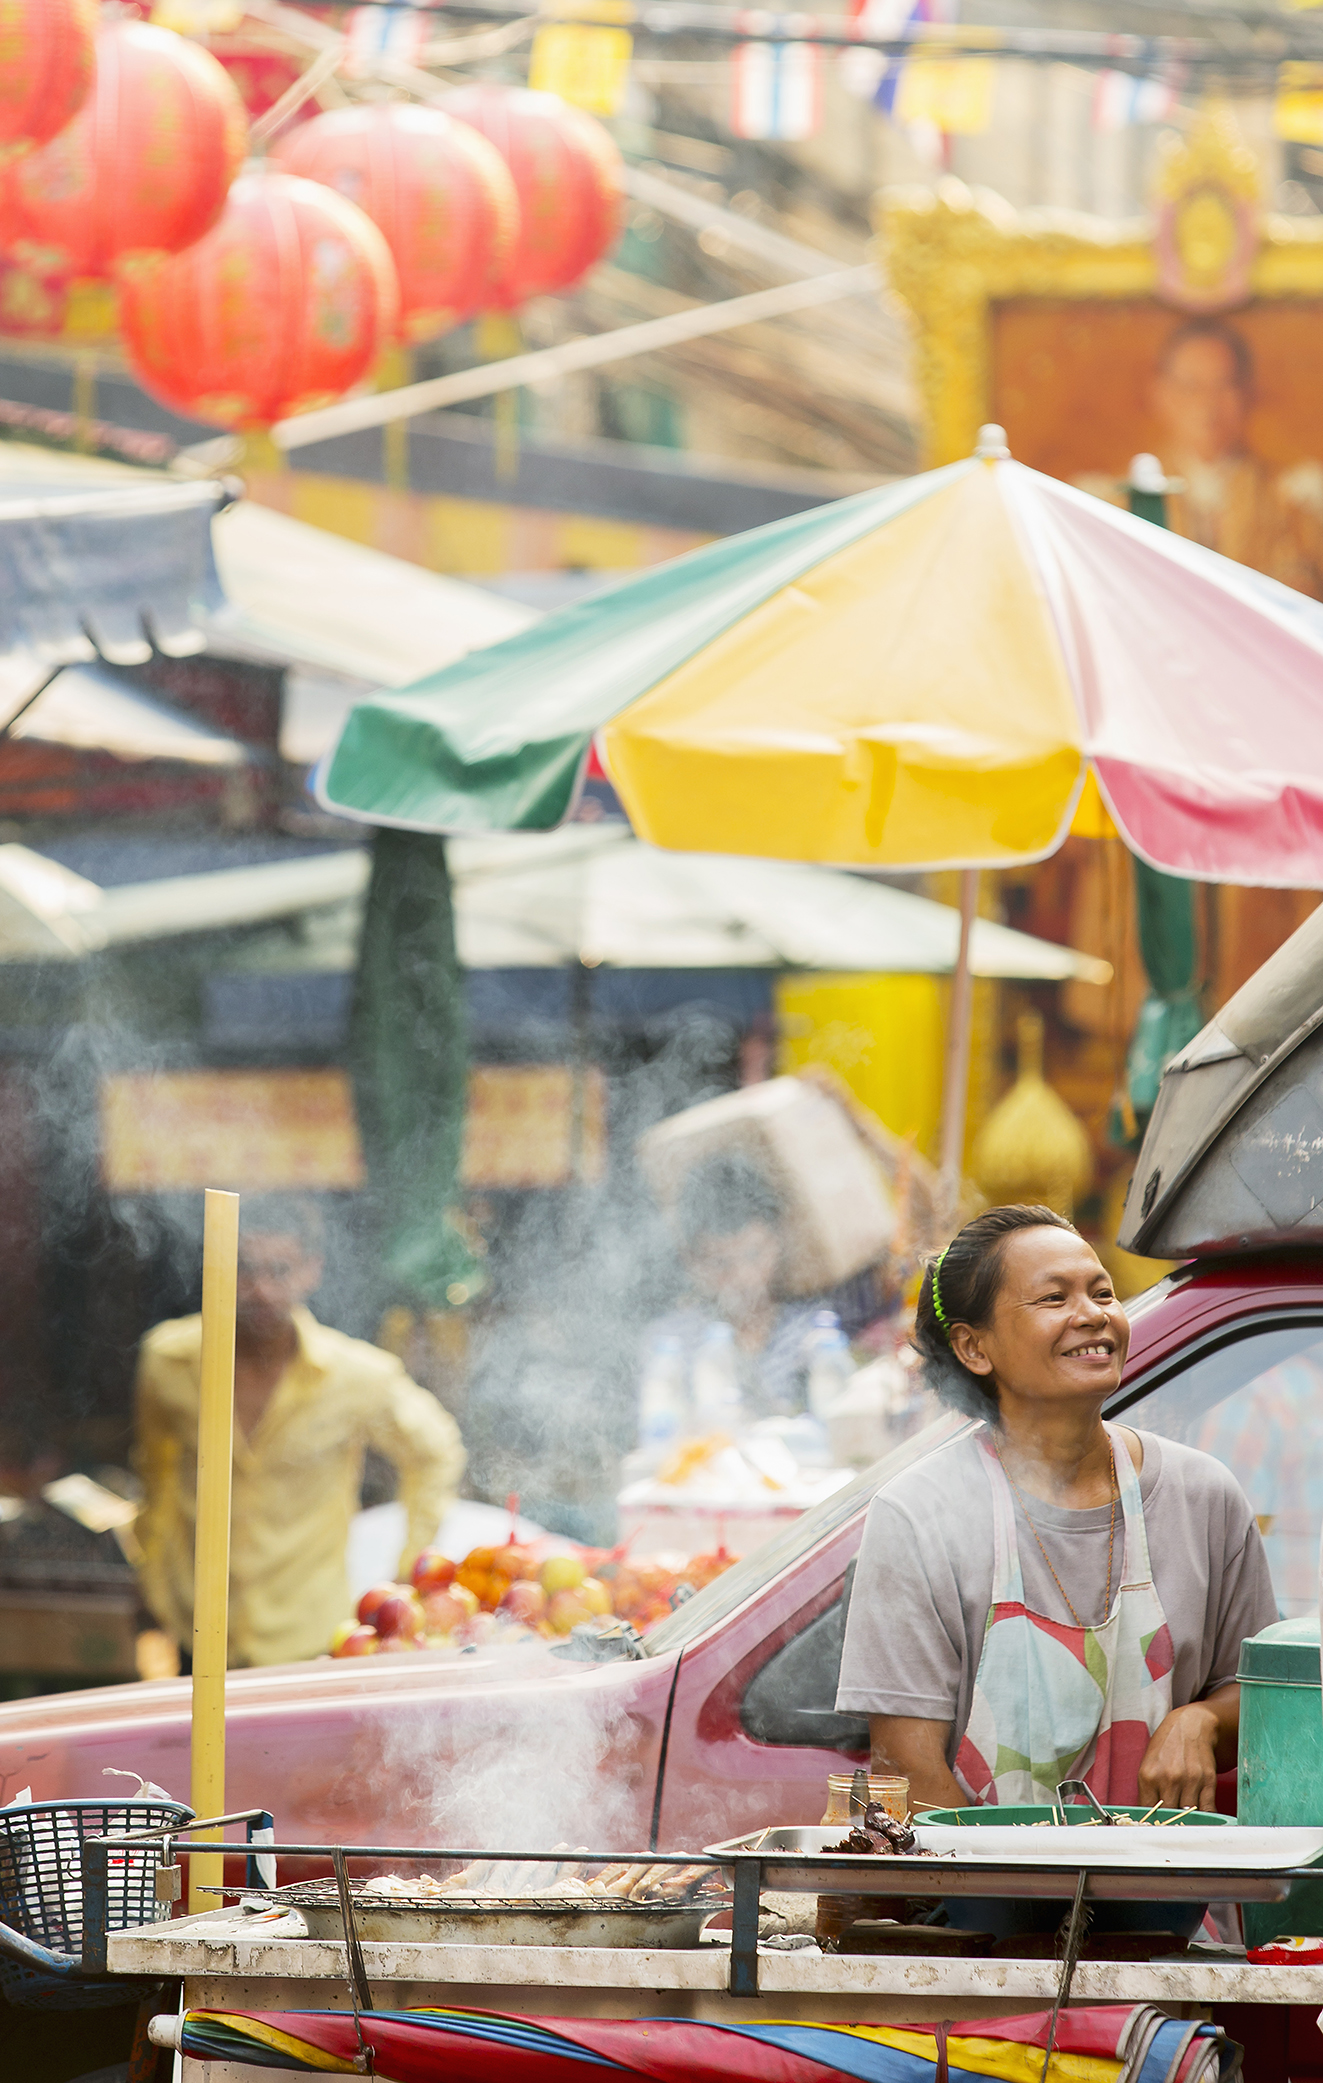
[(718, 1406), (830, 1367), (663, 1401)]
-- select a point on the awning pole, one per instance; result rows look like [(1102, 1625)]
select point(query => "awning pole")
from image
[(211, 1550), (955, 1084)]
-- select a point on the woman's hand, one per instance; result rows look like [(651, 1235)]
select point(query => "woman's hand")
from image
[(1188, 1749)]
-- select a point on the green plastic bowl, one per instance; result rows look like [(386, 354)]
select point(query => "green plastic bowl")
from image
[(1007, 1917), (1076, 1812)]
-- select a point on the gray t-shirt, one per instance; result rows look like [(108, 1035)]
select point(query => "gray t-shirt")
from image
[(923, 1586)]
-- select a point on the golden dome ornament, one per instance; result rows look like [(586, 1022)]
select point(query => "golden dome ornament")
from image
[(1031, 1147)]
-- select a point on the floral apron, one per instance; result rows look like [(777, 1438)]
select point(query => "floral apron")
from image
[(1053, 1702)]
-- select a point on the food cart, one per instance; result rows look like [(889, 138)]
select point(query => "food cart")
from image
[(300, 1949)]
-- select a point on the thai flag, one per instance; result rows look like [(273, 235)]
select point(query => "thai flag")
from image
[(397, 32), (868, 74), (1120, 99), (776, 88)]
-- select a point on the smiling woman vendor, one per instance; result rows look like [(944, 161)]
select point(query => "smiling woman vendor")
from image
[(1048, 1597)]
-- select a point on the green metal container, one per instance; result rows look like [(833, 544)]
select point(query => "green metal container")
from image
[(1280, 1774)]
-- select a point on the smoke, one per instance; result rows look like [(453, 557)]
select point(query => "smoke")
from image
[(576, 1275), (528, 1766)]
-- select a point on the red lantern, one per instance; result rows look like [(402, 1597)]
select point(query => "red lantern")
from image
[(568, 177), (441, 196), (145, 167), (284, 305), (47, 55)]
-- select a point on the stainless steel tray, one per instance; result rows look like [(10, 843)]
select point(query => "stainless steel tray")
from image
[(488, 1920), (1227, 1862)]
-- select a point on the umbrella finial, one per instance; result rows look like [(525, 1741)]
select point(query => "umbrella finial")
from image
[(1146, 474), (991, 445)]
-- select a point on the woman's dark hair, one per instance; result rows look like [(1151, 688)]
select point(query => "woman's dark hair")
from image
[(969, 1283)]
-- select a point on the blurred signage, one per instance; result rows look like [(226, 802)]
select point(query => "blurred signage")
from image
[(259, 1131), (272, 1131), (583, 64), (537, 1125)]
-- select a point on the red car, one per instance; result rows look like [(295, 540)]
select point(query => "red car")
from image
[(727, 1719)]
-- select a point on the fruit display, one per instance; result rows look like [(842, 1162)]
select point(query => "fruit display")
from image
[(501, 1596)]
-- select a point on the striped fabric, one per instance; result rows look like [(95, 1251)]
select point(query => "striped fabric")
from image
[(1094, 2044)]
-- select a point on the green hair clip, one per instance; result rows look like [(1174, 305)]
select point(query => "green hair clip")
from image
[(938, 1310)]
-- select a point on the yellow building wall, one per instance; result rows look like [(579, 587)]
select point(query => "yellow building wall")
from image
[(466, 538)]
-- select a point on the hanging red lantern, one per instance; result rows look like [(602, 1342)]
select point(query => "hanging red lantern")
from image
[(568, 177), (284, 305), (146, 165), (440, 194), (47, 58)]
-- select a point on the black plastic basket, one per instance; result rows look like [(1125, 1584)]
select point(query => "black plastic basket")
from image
[(41, 1892)]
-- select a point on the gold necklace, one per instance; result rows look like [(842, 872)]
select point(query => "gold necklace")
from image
[(1111, 1539)]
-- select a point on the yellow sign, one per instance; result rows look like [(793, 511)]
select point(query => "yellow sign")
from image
[(1297, 113), (275, 1131), (543, 1125), (953, 94), (253, 1131), (583, 64)]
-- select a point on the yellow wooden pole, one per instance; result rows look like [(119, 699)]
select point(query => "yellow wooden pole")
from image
[(211, 1550)]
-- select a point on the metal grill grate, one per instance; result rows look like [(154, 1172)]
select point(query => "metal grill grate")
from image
[(322, 1894)]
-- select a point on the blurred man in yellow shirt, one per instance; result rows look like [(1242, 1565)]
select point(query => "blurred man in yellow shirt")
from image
[(308, 1403)]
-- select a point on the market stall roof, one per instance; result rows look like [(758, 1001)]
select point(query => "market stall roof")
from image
[(324, 601), (48, 913), (90, 708), (1235, 1144), (88, 566), (586, 893), (107, 550), (596, 894)]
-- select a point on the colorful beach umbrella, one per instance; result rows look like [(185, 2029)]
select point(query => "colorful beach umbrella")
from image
[(934, 673), (955, 670), (1116, 2043)]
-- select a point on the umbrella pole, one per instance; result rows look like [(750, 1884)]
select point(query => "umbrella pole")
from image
[(955, 1080), (211, 1566), (581, 1013)]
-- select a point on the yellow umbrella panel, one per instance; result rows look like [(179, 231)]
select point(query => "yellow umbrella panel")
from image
[(903, 700)]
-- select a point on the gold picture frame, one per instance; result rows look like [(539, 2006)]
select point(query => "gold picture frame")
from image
[(954, 256)]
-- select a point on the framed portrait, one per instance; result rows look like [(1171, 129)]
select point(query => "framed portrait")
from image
[(1194, 337)]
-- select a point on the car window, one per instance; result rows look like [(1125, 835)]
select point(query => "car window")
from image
[(792, 1699), (1256, 1404)]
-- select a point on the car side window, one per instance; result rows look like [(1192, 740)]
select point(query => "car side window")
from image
[(1256, 1405), (792, 1699)]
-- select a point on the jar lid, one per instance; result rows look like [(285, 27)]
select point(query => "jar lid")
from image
[(1287, 1653)]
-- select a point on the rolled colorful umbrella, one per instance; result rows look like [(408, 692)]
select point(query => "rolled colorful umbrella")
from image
[(948, 671), (1116, 2043)]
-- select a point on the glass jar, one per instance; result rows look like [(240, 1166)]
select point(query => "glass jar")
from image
[(889, 1790)]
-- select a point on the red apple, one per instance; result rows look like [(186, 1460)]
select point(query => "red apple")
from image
[(371, 1600), (361, 1641), (444, 1611), (433, 1571), (398, 1645), (400, 1614), (525, 1602), (476, 1629)]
